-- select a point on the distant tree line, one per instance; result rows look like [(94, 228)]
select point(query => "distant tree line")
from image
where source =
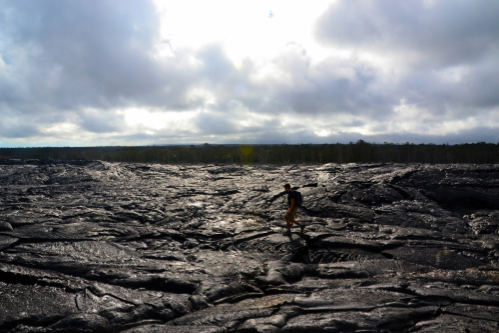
[(358, 152)]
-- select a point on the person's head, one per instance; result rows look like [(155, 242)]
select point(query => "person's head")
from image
[(287, 187)]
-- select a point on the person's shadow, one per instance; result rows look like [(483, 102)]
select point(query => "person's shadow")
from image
[(299, 235)]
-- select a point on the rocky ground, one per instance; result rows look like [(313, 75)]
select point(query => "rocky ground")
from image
[(102, 247)]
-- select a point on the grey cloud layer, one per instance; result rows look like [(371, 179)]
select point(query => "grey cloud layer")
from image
[(323, 88), (78, 53), (449, 49), (61, 58), (440, 32)]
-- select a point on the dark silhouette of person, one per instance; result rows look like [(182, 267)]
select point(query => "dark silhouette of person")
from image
[(293, 207)]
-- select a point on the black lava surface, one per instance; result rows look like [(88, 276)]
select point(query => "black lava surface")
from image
[(103, 247)]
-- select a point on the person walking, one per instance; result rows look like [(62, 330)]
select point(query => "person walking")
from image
[(294, 201)]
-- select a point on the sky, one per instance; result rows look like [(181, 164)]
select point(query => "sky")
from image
[(139, 72)]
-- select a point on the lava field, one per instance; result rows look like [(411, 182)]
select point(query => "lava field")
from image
[(91, 246)]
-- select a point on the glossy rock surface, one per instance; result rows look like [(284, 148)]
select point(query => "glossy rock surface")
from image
[(103, 247)]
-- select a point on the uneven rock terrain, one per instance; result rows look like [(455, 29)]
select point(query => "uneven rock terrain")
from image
[(102, 247)]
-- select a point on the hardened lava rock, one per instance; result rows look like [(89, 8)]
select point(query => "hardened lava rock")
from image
[(116, 247)]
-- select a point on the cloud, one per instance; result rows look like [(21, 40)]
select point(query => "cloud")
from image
[(78, 53), (381, 71), (216, 124), (427, 33), (439, 55), (480, 134), (292, 83), (101, 122), (330, 87)]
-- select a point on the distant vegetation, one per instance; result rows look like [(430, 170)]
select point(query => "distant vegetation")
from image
[(358, 152)]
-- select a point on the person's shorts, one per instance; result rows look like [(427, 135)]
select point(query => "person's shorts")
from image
[(291, 216)]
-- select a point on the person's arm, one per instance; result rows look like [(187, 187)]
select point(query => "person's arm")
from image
[(291, 206)]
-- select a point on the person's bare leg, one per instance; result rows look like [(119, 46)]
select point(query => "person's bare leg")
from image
[(300, 225), (288, 225)]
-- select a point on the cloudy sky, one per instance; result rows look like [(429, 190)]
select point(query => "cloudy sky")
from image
[(138, 72)]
